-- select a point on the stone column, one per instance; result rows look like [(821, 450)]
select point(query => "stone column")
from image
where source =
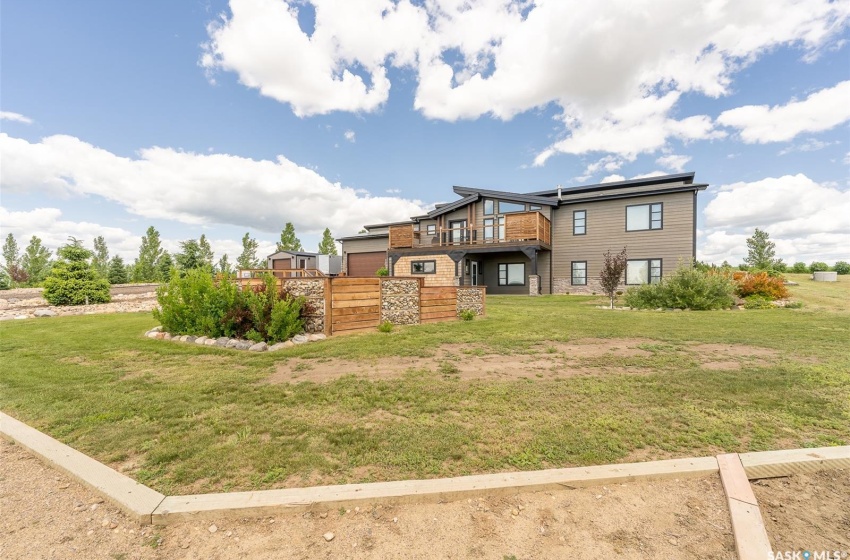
[(533, 285)]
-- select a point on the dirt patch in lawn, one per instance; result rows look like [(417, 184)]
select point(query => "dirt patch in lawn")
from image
[(807, 511), (589, 356), (55, 517)]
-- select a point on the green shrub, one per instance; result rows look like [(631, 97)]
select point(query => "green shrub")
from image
[(385, 327), (842, 267), (799, 267), (5, 279), (758, 302), (760, 284), (467, 315), (687, 288), (818, 266), (73, 280), (794, 305), (196, 304), (383, 271)]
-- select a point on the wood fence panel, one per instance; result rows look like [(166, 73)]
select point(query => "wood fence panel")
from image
[(355, 304)]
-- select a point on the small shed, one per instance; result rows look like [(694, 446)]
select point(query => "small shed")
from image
[(302, 260)]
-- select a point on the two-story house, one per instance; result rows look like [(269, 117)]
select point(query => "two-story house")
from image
[(549, 242)]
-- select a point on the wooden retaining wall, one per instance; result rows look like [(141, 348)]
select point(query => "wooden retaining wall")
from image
[(355, 304), (438, 303)]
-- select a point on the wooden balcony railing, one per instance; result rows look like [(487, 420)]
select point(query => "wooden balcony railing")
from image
[(531, 227)]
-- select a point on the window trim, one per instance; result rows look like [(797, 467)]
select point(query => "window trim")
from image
[(649, 268), (499, 274), (585, 222), (573, 275), (649, 228), (423, 263)]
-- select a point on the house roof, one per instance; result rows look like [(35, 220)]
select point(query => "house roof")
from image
[(364, 236), (296, 253), (617, 195), (686, 178), (504, 195), (446, 208), (405, 222)]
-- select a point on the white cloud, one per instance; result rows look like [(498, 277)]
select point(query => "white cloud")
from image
[(164, 183), (616, 80), (394, 191), (612, 178), (673, 162), (807, 220), (14, 117), (810, 145), (760, 124), (350, 136), (48, 225)]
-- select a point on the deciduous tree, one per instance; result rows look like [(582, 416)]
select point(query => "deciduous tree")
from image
[(36, 261), (611, 274), (100, 260), (761, 251), (144, 269), (248, 258)]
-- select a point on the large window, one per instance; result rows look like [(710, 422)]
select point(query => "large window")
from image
[(579, 277), (490, 231), (431, 229), (512, 274), (423, 267), (643, 271), (489, 207), (508, 207), (579, 222), (644, 216)]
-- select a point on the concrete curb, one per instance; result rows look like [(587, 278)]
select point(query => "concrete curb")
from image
[(136, 500), (148, 506)]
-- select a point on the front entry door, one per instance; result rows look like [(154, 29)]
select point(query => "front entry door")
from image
[(473, 270)]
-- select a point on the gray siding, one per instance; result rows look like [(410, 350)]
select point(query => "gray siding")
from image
[(606, 230)]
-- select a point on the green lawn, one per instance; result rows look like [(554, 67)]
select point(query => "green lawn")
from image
[(187, 419)]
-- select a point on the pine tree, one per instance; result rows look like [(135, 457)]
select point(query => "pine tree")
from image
[(248, 258), (761, 252), (328, 245), (224, 266), (117, 271), (101, 256), (288, 241), (207, 254), (190, 257), (144, 269), (12, 261), (73, 280), (163, 266), (36, 261)]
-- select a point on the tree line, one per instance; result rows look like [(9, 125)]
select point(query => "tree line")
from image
[(153, 264)]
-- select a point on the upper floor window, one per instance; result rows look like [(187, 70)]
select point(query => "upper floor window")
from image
[(431, 229), (534, 207), (579, 222), (489, 207), (508, 207), (644, 216)]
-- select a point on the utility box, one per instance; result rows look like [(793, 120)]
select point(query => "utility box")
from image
[(330, 265), (825, 276)]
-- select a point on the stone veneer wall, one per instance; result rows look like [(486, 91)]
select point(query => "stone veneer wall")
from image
[(314, 291), (533, 285), (470, 298), (400, 301)]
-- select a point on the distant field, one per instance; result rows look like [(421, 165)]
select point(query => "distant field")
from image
[(540, 382)]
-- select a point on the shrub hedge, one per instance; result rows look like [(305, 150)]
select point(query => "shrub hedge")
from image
[(196, 304), (760, 284), (687, 288)]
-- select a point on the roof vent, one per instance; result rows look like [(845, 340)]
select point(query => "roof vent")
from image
[(559, 192)]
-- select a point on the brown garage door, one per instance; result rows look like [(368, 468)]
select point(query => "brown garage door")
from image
[(365, 264)]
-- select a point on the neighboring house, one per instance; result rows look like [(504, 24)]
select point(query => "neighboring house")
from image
[(549, 242), (301, 260)]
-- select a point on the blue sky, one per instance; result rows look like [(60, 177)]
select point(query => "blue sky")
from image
[(222, 118)]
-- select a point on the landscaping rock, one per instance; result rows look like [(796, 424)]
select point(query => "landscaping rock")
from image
[(259, 347), (190, 339), (210, 342), (184, 338), (151, 334), (21, 317), (300, 339), (201, 340), (232, 343), (167, 336), (222, 341), (157, 328), (328, 536), (316, 337), (243, 345), (278, 346), (44, 313)]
